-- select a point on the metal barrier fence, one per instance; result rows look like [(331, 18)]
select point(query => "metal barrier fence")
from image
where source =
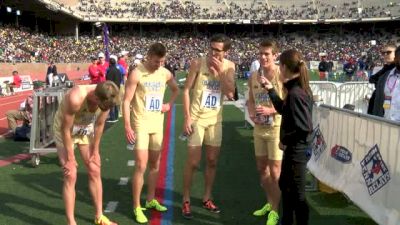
[(341, 94), (355, 93), (45, 105), (326, 91)]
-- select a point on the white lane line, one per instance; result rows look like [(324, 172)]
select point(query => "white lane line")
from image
[(131, 162), (20, 101), (111, 207), (3, 118), (123, 180)]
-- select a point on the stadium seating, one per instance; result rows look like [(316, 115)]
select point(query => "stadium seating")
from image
[(234, 9)]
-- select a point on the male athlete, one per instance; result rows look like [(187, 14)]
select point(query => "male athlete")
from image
[(210, 78), (80, 120), (144, 110)]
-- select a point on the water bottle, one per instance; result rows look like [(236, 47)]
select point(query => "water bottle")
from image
[(270, 120), (130, 146), (183, 136)]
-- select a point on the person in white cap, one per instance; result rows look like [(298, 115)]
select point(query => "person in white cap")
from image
[(139, 56), (102, 65)]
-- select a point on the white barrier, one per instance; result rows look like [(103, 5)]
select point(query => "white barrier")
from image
[(340, 94), (359, 155), (327, 91), (26, 83), (354, 93)]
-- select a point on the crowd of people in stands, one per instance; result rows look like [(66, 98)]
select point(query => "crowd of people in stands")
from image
[(253, 10), (23, 45)]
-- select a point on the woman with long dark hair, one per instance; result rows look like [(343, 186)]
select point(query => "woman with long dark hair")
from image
[(295, 134)]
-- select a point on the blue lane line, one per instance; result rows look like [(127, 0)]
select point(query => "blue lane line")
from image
[(169, 180)]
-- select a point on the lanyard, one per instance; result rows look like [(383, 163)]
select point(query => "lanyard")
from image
[(394, 83)]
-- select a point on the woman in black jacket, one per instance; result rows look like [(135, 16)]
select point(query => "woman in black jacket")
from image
[(295, 134)]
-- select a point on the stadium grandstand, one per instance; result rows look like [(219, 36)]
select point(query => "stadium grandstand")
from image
[(36, 34)]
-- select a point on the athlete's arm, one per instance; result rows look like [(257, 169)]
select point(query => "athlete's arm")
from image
[(175, 91), (228, 81), (130, 88), (190, 79), (73, 102), (98, 132)]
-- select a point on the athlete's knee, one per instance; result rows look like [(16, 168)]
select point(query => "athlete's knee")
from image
[(211, 162), (262, 168), (193, 163), (140, 167), (154, 166), (94, 169), (71, 176), (275, 172)]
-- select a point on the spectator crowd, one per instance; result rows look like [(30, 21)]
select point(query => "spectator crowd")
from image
[(246, 10), (23, 45)]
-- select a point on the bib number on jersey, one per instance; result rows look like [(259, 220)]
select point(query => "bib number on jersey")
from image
[(153, 103), (82, 130), (211, 99)]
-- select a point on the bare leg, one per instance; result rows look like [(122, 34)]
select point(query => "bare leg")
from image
[(152, 177), (93, 165), (192, 162), (141, 157), (68, 188), (212, 154)]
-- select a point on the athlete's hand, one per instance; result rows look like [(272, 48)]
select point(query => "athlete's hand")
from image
[(281, 146), (216, 66), (130, 135), (265, 82), (165, 107), (69, 167), (266, 111), (187, 126)]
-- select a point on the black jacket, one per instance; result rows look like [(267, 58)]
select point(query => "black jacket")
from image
[(377, 108), (374, 80), (296, 111), (51, 69), (323, 66), (114, 75)]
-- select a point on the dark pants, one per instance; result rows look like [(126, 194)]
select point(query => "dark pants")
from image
[(114, 113), (292, 183)]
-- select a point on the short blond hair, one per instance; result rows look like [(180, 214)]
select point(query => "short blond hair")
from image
[(108, 94)]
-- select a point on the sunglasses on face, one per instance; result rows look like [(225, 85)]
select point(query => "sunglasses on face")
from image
[(386, 52), (216, 49)]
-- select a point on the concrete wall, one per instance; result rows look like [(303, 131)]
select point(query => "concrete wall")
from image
[(37, 71)]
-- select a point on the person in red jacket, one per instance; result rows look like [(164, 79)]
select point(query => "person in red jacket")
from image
[(94, 71), (103, 66), (15, 84)]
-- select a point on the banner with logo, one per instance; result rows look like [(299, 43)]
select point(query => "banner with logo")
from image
[(26, 83), (359, 155)]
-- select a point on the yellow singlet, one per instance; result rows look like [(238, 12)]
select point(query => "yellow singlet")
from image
[(207, 98), (148, 99), (261, 97), (83, 121)]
